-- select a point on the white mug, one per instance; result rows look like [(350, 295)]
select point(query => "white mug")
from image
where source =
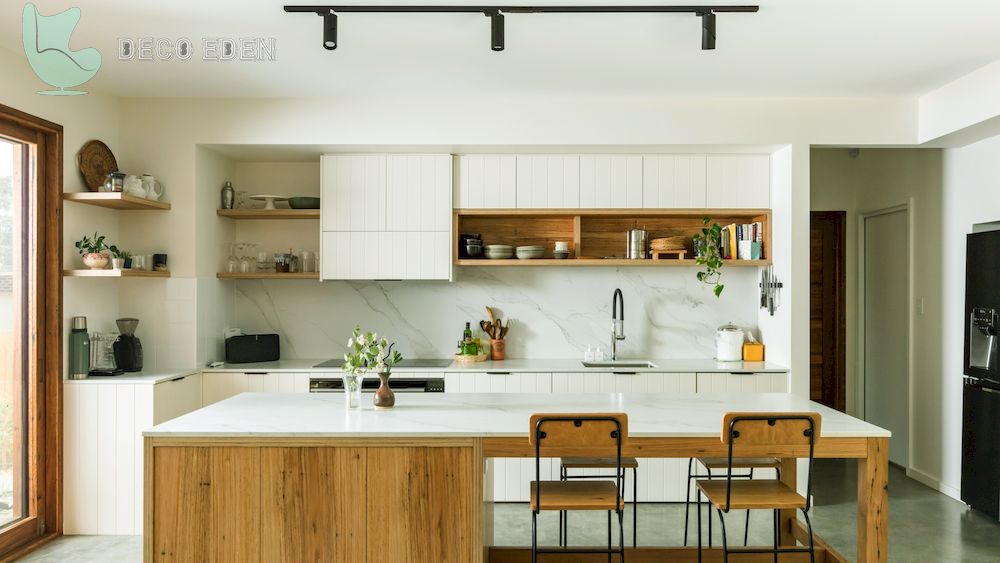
[(562, 245), (152, 187)]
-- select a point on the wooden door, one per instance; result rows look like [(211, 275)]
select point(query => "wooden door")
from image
[(421, 504), (312, 504), (827, 306)]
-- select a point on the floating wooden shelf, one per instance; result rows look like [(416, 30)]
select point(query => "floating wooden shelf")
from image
[(116, 200), (268, 213), (109, 273), (268, 276), (592, 233)]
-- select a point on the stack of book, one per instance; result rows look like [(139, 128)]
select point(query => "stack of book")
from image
[(743, 242)]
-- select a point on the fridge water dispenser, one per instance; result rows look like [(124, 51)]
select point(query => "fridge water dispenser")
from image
[(983, 339)]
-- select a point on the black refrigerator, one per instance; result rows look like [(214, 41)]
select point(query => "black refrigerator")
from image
[(981, 401)]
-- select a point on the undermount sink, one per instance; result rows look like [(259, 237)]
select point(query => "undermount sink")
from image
[(620, 364)]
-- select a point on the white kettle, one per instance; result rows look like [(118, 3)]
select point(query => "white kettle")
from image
[(729, 343)]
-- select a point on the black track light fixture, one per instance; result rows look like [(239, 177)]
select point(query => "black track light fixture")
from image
[(496, 30), (707, 31), (330, 31), (706, 13)]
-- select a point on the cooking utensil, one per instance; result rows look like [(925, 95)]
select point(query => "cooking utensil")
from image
[(487, 327)]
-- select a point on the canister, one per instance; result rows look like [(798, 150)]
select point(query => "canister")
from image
[(79, 349), (638, 244)]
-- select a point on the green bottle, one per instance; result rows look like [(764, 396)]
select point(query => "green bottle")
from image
[(79, 349)]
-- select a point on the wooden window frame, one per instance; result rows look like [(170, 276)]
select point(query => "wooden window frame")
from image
[(43, 520)]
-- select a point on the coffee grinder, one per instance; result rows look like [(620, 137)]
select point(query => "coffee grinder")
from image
[(128, 349)]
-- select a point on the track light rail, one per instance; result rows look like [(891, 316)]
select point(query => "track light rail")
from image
[(696, 9)]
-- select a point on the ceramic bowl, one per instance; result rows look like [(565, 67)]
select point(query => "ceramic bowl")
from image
[(499, 251), (561, 254), (303, 202), (530, 253)]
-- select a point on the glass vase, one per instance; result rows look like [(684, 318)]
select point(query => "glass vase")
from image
[(352, 390)]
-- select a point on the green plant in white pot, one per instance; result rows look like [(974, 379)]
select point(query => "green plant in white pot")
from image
[(94, 251)]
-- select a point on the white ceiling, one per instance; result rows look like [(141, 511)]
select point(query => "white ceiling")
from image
[(790, 48)]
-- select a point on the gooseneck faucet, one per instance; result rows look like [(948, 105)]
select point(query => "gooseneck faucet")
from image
[(617, 322)]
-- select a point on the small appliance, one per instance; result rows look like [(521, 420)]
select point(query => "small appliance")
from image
[(128, 348), (247, 348), (729, 343)]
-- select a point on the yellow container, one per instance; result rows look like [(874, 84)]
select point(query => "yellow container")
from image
[(753, 352)]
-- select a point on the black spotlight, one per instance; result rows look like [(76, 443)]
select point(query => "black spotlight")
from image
[(330, 31), (707, 30), (496, 31)]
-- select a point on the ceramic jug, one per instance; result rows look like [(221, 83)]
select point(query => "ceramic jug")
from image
[(152, 187), (133, 186)]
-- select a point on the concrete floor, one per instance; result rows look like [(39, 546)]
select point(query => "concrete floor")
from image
[(924, 525)]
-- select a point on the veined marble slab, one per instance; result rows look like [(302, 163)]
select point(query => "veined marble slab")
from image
[(484, 414)]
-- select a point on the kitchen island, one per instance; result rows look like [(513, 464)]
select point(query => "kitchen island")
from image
[(289, 477)]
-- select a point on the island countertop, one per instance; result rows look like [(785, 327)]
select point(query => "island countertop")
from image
[(484, 414)]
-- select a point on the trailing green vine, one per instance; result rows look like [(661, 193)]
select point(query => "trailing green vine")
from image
[(708, 253)]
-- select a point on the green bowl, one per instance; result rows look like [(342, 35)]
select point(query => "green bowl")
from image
[(303, 202)]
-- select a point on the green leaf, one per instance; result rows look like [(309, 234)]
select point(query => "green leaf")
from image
[(718, 289)]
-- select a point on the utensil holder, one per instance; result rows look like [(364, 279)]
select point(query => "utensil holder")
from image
[(498, 350)]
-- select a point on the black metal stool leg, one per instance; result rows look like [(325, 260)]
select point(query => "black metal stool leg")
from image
[(697, 496), (725, 544), (635, 508), (708, 513), (534, 537), (562, 477), (609, 536), (621, 534), (687, 502), (746, 527), (812, 548), (776, 533)]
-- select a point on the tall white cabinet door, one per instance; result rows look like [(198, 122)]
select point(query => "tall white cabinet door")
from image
[(418, 192), (353, 192), (743, 382), (659, 480), (486, 181), (739, 181), (673, 181), (610, 181), (548, 181)]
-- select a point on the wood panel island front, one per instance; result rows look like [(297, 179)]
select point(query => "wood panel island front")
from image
[(267, 477)]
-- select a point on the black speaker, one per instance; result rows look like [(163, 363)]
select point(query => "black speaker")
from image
[(252, 348)]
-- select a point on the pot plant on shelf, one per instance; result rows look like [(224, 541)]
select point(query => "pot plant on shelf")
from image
[(94, 251), (367, 352), (120, 259), (708, 255)]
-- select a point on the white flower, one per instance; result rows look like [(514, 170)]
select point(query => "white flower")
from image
[(347, 359), (350, 342), (361, 339)]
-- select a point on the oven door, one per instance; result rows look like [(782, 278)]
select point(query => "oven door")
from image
[(401, 385)]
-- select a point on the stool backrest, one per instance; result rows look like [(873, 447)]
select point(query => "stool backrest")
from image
[(591, 430)]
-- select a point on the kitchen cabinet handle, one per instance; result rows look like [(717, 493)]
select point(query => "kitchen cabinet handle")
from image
[(498, 373), (255, 373), (176, 379), (625, 372), (742, 372)]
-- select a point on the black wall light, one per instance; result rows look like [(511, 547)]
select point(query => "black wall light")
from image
[(496, 15)]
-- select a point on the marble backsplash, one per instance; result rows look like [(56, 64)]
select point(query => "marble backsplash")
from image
[(556, 312)]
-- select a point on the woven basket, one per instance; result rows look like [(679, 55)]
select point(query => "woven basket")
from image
[(668, 243)]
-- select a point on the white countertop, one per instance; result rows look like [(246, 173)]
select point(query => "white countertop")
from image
[(150, 376), (521, 365), (484, 414)]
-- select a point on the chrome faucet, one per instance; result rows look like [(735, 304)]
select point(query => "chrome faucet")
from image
[(617, 322)]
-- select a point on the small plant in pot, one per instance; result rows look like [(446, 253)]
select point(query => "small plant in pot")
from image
[(120, 259), (708, 254), (94, 251)]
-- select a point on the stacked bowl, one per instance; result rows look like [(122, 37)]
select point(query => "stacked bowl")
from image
[(499, 251), (530, 252)]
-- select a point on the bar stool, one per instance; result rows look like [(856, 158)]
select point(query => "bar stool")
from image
[(605, 463), (716, 463), (598, 434), (772, 430)]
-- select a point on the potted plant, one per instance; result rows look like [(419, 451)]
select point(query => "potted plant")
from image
[(708, 254), (121, 259), (366, 351), (94, 251)]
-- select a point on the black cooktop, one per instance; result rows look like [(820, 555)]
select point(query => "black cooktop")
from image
[(414, 363)]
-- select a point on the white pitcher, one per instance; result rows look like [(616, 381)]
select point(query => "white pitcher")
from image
[(152, 187), (133, 186)]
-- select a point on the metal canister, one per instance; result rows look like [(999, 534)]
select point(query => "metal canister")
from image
[(79, 349), (638, 244), (228, 195)]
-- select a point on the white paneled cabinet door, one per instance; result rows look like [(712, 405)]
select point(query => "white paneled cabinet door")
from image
[(610, 181), (418, 256), (486, 181), (418, 192), (673, 181), (747, 382), (548, 181), (739, 181), (511, 476), (175, 397), (353, 192), (659, 480)]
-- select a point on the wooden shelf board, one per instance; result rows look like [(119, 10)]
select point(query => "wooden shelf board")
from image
[(268, 213), (116, 200), (608, 262), (268, 276), (110, 273), (607, 212)]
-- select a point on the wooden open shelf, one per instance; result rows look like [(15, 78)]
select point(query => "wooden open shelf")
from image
[(268, 276), (596, 237), (116, 200), (110, 273), (268, 213)]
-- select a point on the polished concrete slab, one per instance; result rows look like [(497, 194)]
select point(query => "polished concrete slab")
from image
[(924, 525)]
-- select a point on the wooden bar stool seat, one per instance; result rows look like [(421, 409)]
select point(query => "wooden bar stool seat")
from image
[(601, 463), (740, 463), (576, 495), (598, 462), (746, 465), (752, 495)]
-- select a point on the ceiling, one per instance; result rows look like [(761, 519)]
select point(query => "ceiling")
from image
[(791, 48)]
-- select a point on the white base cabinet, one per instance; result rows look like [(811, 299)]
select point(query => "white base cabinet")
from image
[(745, 382), (222, 385)]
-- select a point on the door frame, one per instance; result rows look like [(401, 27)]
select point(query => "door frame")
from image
[(44, 518), (841, 306), (861, 324)]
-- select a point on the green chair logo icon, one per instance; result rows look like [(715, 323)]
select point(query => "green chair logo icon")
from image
[(46, 44)]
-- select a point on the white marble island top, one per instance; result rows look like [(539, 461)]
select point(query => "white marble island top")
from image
[(483, 414)]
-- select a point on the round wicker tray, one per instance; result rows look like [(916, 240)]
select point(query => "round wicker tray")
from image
[(96, 161)]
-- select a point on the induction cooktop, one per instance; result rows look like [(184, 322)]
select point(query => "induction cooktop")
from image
[(412, 363)]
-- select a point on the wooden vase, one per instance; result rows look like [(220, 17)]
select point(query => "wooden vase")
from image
[(498, 349), (384, 397)]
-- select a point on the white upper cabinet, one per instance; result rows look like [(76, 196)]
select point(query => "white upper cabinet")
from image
[(739, 181), (610, 181), (548, 181), (418, 195), (486, 181), (673, 181), (398, 255), (353, 192)]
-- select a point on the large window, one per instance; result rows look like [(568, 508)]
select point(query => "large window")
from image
[(30, 329)]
